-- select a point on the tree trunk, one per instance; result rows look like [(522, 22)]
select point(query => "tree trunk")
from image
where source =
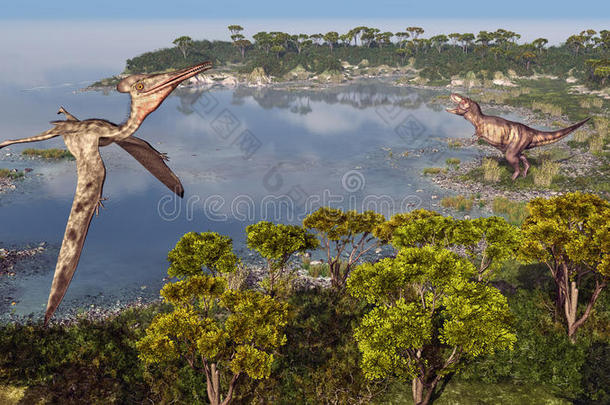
[(418, 391), (213, 384)]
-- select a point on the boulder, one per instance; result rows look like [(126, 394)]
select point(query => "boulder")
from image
[(331, 76), (258, 77)]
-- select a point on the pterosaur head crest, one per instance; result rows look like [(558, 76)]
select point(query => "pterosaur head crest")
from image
[(148, 91), (464, 104)]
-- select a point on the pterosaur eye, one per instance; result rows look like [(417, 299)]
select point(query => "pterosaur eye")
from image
[(139, 86)]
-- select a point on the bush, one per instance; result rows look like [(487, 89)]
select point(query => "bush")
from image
[(460, 202), (514, 211), (48, 153), (544, 174), (491, 170)]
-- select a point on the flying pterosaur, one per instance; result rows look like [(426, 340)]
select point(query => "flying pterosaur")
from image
[(83, 139)]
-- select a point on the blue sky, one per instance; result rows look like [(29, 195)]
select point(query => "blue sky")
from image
[(198, 9)]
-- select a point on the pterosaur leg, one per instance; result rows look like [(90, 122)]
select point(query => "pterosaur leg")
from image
[(48, 134), (91, 175)]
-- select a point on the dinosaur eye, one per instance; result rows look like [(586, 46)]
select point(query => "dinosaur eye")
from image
[(139, 86)]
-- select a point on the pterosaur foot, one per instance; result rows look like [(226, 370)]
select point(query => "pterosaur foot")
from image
[(164, 156), (99, 205)]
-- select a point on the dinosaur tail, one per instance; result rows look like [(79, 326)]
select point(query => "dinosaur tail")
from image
[(544, 137)]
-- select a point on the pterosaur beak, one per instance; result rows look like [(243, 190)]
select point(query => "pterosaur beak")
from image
[(173, 79), (452, 110)]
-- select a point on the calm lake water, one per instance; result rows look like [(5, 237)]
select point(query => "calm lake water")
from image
[(243, 155)]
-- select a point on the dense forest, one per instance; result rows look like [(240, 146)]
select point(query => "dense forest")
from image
[(460, 311), (584, 55)]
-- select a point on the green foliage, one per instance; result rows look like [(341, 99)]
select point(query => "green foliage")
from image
[(432, 170), (211, 328), (571, 235), (85, 362), (453, 162), (276, 243), (196, 251), (48, 153), (458, 202), (385, 231), (515, 211), (427, 317), (339, 231), (10, 174), (486, 242)]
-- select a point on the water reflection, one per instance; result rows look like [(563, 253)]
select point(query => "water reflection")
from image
[(243, 155)]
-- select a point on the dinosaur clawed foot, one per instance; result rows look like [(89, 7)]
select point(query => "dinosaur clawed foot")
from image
[(515, 175)]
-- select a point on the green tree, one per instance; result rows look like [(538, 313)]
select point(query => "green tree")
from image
[(276, 243), (239, 40), (384, 38), (570, 234), (415, 31), (527, 56), (197, 251), (278, 49), (215, 330), (427, 318), (301, 41), (454, 37), (466, 40), (540, 43), (484, 38), (368, 36), (486, 242), (438, 41), (385, 231), (331, 39), (183, 43), (344, 236), (575, 42), (263, 41)]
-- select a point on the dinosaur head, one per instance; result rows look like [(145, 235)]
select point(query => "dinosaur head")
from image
[(464, 104), (148, 91)]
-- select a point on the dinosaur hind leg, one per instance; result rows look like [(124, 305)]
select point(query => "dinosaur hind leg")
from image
[(513, 160), (526, 165)]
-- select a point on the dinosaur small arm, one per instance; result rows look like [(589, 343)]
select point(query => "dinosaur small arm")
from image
[(510, 137)]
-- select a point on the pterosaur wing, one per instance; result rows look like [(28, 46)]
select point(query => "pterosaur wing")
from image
[(153, 161)]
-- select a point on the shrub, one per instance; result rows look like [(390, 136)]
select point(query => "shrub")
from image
[(453, 162), (514, 211), (10, 174), (544, 174), (48, 153), (491, 170), (459, 203), (432, 170)]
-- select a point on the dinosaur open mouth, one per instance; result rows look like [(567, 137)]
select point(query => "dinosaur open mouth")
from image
[(176, 77), (456, 98)]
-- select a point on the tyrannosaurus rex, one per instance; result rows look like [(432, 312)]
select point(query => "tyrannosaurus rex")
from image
[(510, 137)]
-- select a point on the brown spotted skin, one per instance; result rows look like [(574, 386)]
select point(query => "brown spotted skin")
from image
[(83, 139), (510, 137)]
